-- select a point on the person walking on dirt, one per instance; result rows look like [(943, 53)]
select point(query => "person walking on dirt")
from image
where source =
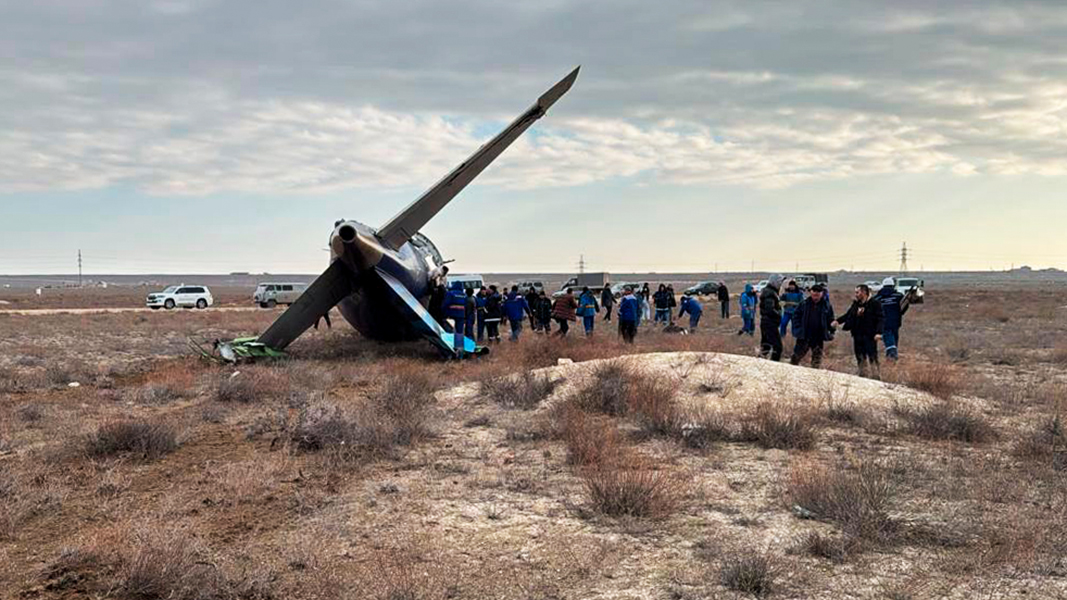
[(864, 320), (723, 294), (587, 309), (893, 308), (692, 306), (516, 308), (629, 315), (543, 312), (564, 310), (791, 297), (663, 304), (531, 301), (748, 302), (813, 326), (607, 300), (494, 310), (770, 312)]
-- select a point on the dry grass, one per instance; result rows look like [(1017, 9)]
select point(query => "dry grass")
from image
[(609, 390), (634, 489), (590, 439), (938, 379), (749, 573), (525, 391), (782, 426), (857, 498), (142, 438), (946, 421)]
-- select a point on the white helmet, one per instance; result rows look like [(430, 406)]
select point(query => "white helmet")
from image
[(888, 282)]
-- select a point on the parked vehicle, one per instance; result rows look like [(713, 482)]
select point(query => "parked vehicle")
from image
[(538, 286), (617, 288), (913, 287), (759, 286), (470, 280), (595, 281), (269, 295), (185, 296), (704, 288), (807, 280)]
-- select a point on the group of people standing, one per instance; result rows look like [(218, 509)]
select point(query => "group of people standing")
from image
[(809, 315), (870, 318)]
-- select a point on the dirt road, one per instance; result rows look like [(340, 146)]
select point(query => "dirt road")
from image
[(30, 312)]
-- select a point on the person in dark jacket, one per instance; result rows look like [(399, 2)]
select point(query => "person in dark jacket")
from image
[(672, 303), (770, 313), (864, 320), (471, 305), (454, 307), (587, 309), (564, 310), (480, 298), (438, 293), (692, 306), (516, 308), (813, 326), (748, 301), (531, 300), (629, 315), (893, 309), (791, 297), (542, 309), (662, 300), (494, 311), (724, 299), (607, 300)]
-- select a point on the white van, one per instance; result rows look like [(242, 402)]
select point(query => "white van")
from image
[(269, 295), (470, 280)]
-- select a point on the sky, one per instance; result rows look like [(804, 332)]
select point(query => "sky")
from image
[(212, 136)]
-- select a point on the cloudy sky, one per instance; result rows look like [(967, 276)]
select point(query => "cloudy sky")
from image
[(222, 135)]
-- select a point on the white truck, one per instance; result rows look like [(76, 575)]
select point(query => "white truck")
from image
[(594, 281)]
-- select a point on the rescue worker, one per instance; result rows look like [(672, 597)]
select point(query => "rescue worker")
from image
[(543, 311), (493, 312), (629, 315), (471, 305), (864, 320), (455, 309), (516, 308), (531, 301), (748, 302), (724, 299), (770, 312), (663, 304), (893, 308), (692, 306), (564, 310), (813, 326), (791, 297), (607, 300), (587, 309), (480, 298)]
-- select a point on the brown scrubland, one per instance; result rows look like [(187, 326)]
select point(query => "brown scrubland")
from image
[(679, 467)]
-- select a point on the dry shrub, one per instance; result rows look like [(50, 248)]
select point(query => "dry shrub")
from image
[(235, 388), (150, 439), (1047, 440), (938, 379), (776, 425), (250, 481), (652, 404), (609, 390), (857, 499), (525, 391), (635, 489), (25, 494), (818, 545), (31, 413), (1059, 354), (253, 384), (701, 427), (946, 421), (751, 573), (406, 401), (590, 439)]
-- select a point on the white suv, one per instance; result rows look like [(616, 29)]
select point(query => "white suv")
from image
[(183, 295)]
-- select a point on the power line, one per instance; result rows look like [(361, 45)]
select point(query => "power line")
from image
[(904, 258), (79, 267)]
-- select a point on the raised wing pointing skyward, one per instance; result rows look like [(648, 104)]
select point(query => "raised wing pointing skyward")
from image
[(411, 219)]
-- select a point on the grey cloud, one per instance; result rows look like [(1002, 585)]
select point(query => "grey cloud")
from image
[(194, 96)]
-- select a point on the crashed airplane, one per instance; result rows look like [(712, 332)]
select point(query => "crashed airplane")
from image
[(381, 279)]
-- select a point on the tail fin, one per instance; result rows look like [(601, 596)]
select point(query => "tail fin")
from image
[(406, 224)]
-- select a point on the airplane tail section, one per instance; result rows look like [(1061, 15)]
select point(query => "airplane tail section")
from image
[(406, 224)]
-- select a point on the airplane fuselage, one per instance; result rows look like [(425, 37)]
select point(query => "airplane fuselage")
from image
[(369, 309)]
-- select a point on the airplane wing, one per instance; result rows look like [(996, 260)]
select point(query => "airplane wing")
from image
[(335, 284), (421, 320), (406, 224)]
